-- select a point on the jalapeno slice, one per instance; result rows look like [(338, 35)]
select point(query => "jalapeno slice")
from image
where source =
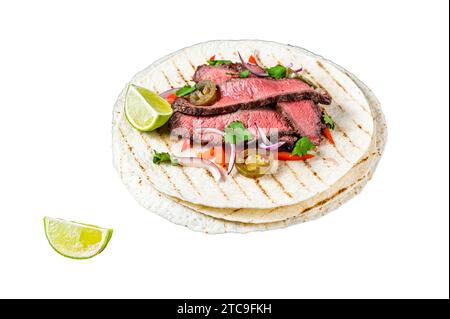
[(254, 162), (206, 93)]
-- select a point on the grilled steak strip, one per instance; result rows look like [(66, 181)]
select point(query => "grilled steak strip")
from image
[(221, 73), (305, 118), (251, 93), (266, 118)]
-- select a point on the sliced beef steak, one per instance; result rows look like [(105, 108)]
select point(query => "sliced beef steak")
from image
[(305, 117), (221, 73), (266, 118), (251, 93)]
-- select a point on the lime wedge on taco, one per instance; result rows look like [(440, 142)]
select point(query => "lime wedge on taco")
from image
[(146, 110)]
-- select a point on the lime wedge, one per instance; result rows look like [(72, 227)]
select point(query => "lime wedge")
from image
[(76, 240), (146, 110)]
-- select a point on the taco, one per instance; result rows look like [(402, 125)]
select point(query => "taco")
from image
[(262, 135)]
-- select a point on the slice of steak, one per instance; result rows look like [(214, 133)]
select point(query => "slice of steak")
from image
[(252, 93), (268, 119), (221, 73), (305, 117)]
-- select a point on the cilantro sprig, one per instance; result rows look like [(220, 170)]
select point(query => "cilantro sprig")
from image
[(236, 132), (163, 157), (277, 72), (328, 121), (303, 146)]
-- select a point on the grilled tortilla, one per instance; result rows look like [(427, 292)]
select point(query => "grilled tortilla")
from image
[(295, 182)]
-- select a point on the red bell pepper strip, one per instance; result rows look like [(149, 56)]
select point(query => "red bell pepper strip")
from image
[(171, 97), (252, 59), (327, 133), (208, 154), (212, 58), (286, 156)]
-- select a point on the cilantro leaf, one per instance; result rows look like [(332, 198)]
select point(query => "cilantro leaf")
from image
[(244, 74), (218, 62), (185, 90), (328, 120), (236, 132), (277, 72), (163, 157), (303, 146)]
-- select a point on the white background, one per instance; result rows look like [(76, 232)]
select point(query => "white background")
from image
[(62, 66)]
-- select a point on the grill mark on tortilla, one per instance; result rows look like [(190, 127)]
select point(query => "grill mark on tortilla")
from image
[(341, 86), (361, 161), (320, 86), (328, 199), (316, 175), (191, 64), (258, 59), (361, 127), (293, 172), (331, 160), (271, 211), (281, 186), (344, 134), (167, 79), (340, 107), (180, 74), (234, 211), (257, 183), (340, 154), (218, 185), (327, 161), (264, 213), (240, 187)]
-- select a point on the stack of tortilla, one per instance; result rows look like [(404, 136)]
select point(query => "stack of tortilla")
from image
[(297, 192)]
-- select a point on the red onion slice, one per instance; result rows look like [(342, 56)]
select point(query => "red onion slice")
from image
[(266, 144), (232, 158), (250, 69), (262, 135), (217, 172), (271, 147)]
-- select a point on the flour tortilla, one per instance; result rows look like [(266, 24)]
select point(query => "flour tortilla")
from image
[(295, 182), (136, 181)]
